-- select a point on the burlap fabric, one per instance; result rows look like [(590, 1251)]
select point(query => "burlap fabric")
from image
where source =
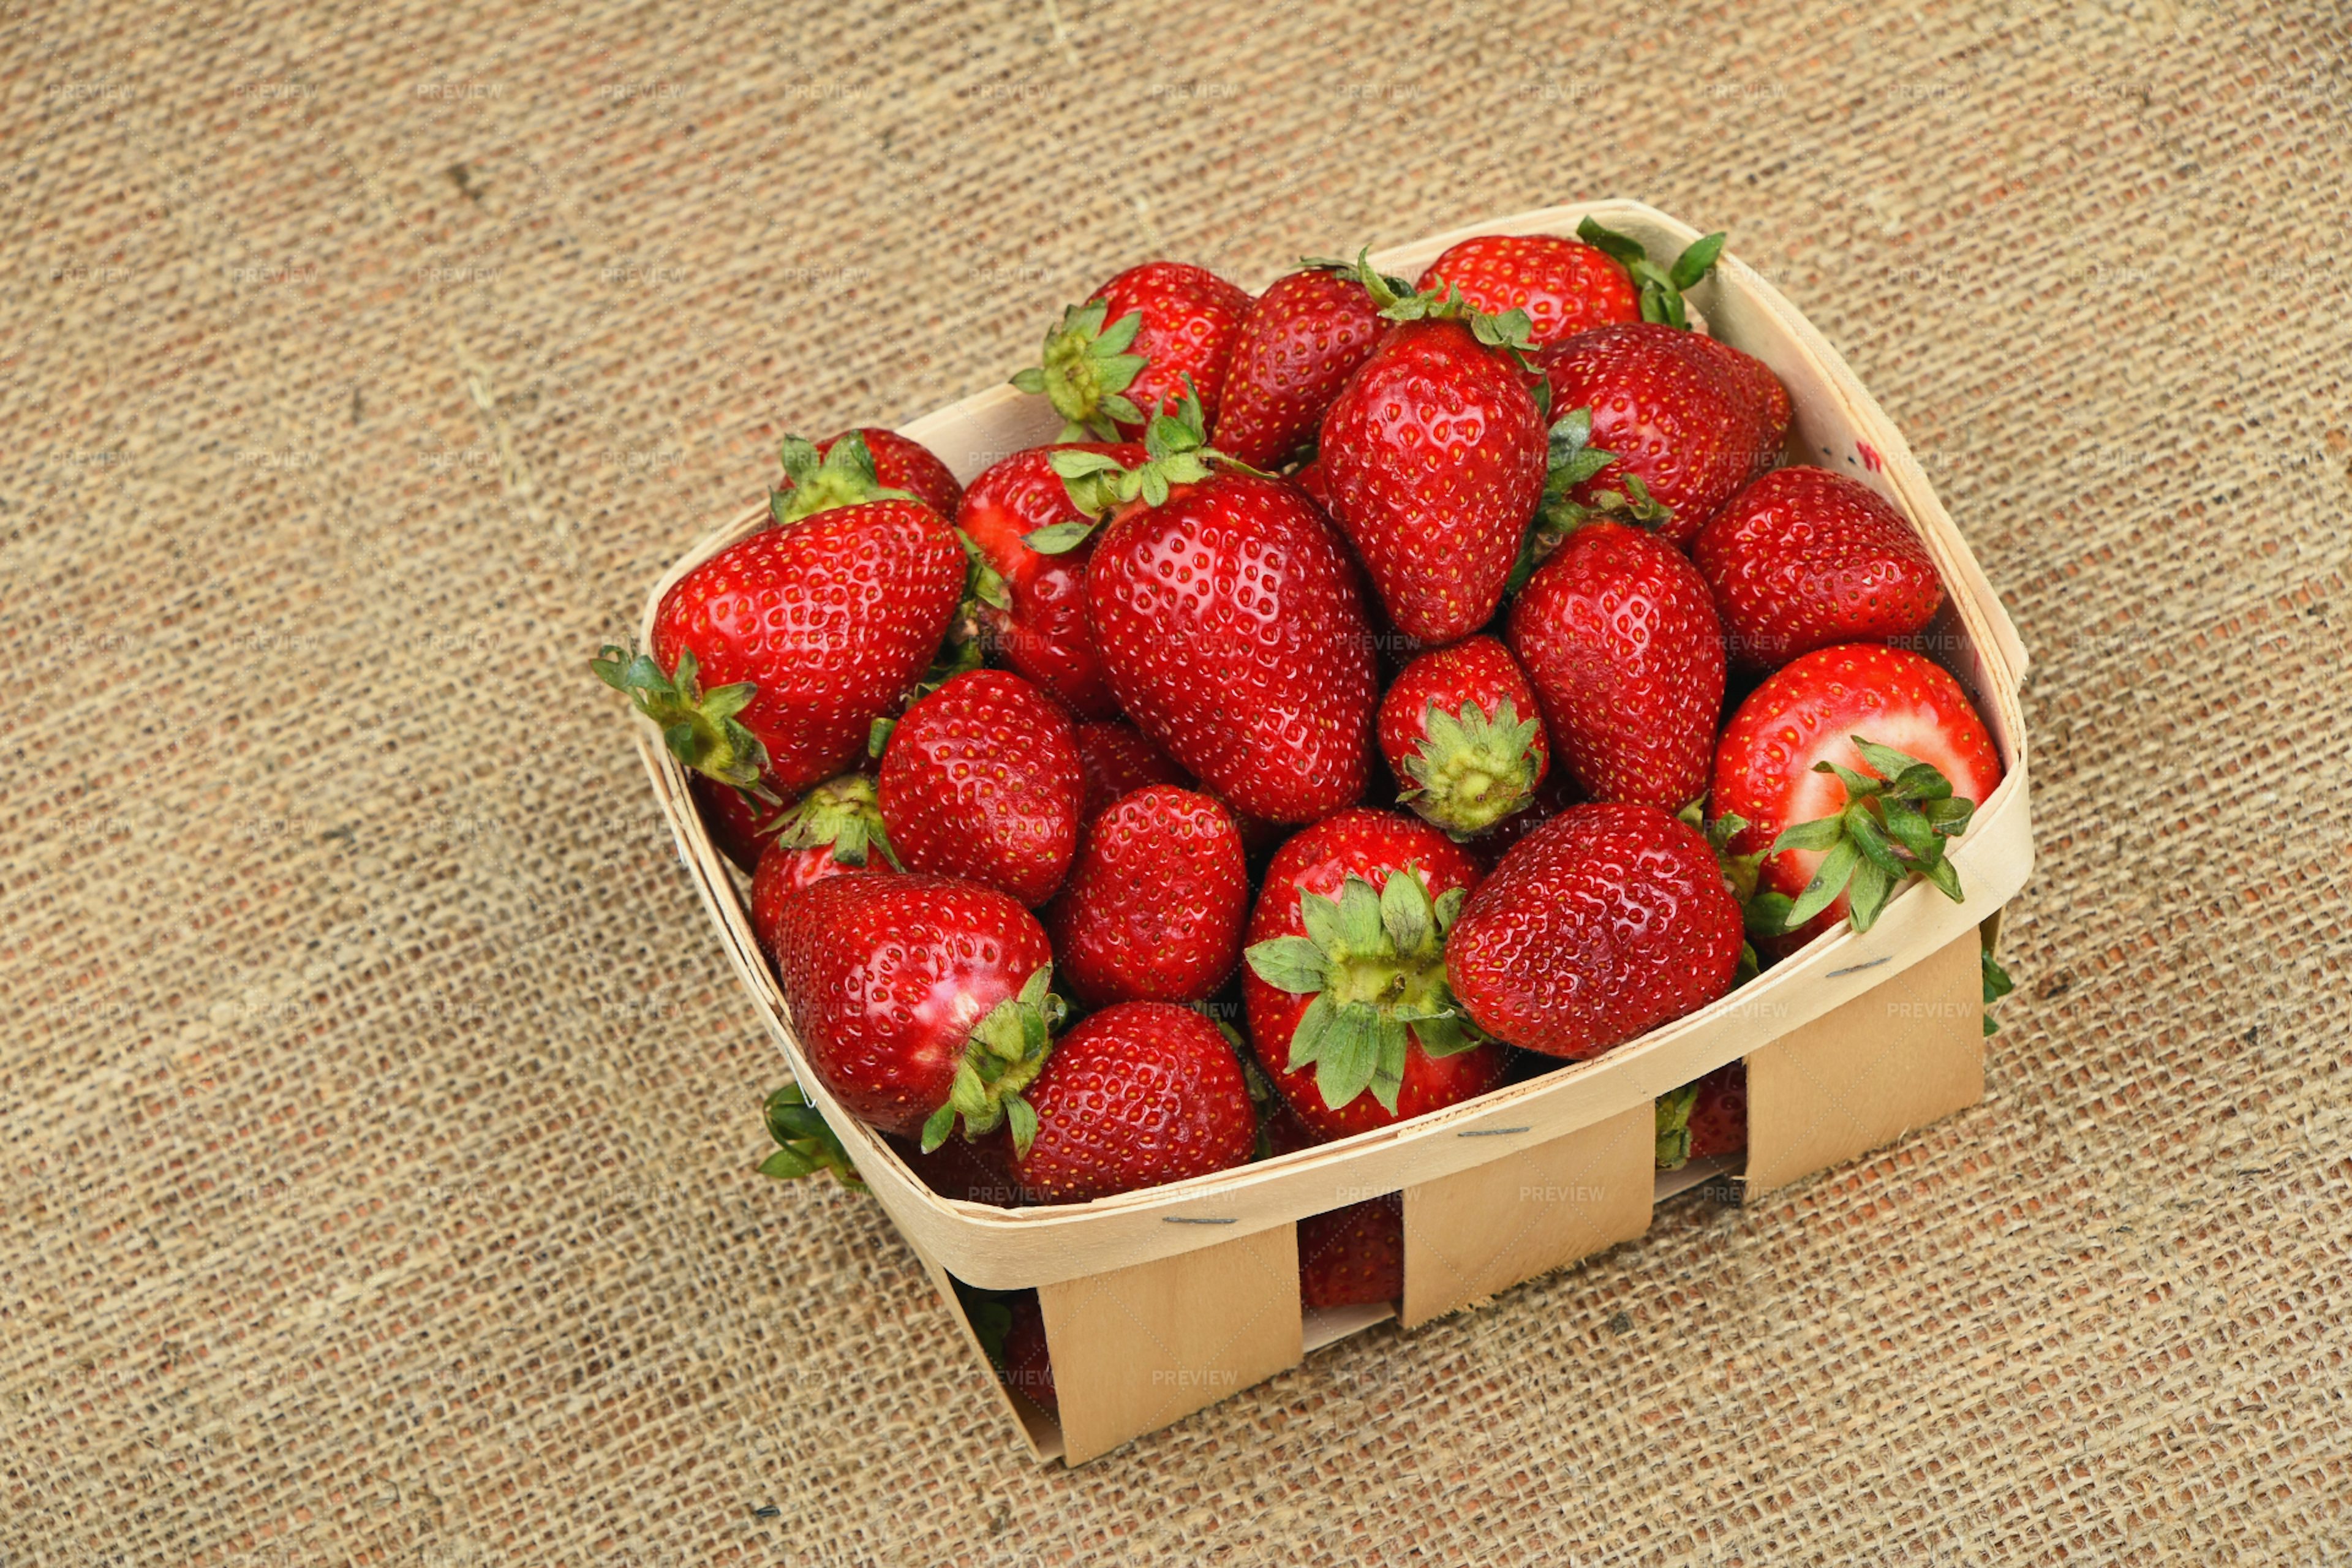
[(380, 1117)]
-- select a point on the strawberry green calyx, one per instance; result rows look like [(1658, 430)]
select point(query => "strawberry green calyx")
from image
[(699, 727), (1470, 770), (1673, 1113), (844, 812), (1176, 452), (1662, 287), (1892, 827), (842, 476), (1760, 913), (1507, 331), (1574, 460), (1375, 963), (1085, 370), (805, 1143), (1006, 1051)]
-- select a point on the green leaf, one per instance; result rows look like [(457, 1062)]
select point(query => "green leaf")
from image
[(1078, 465), (938, 1125), (1946, 881), (1949, 818), (1360, 917), (1885, 759), (1289, 963), (1867, 894), (1997, 982), (1822, 833), (1864, 829), (1406, 912), (1446, 1036), (1057, 538), (1022, 1117), (1321, 916), (1345, 1064), (1314, 1028), (1697, 262), (1921, 781), (1032, 380), (1858, 786), (1767, 914), (1624, 247), (1390, 1044), (1828, 881), (788, 1165), (877, 736), (1449, 908), (1908, 826), (1115, 338)]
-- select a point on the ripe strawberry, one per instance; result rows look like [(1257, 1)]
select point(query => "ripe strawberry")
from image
[(832, 831), (1603, 923), (857, 465), (1804, 558), (1353, 1256), (1027, 1369), (1852, 764), (1299, 343), (1345, 986), (1124, 355), (1034, 604), (1155, 901), (961, 1169), (1566, 286), (916, 999), (736, 821), (1434, 457), (1117, 758), (1461, 730), (1683, 429), (980, 780), (1310, 479), (807, 634), (1703, 1119), (1618, 634), (1134, 1096)]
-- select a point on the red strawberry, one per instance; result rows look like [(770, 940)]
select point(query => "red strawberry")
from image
[(1878, 714), (1027, 1369), (1227, 619), (1434, 457), (1804, 558), (1034, 604), (1765, 391), (1601, 924), (1117, 758), (832, 831), (961, 1169), (737, 821), (1703, 1119), (1298, 346), (1346, 975), (1564, 286), (1353, 1256), (980, 780), (1135, 1096), (1618, 632), (1310, 479), (1154, 905), (806, 635), (906, 991), (1106, 376), (1682, 429), (857, 466), (1461, 730)]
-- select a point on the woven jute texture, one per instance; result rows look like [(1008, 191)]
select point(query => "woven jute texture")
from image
[(377, 1117)]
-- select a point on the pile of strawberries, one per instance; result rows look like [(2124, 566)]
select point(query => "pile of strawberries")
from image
[(1439, 679)]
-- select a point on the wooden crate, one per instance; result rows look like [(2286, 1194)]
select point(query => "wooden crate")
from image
[(1160, 1302)]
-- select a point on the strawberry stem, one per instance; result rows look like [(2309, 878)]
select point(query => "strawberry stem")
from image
[(844, 812), (1084, 370), (843, 476), (1892, 827), (1471, 770), (1176, 452)]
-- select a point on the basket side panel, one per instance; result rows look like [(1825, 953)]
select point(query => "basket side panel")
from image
[(1036, 1428)]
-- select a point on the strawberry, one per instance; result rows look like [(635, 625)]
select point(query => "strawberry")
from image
[(1604, 922), (1434, 457), (1461, 730), (1345, 985), (1028, 1370), (1166, 320), (1117, 758), (808, 634), (1299, 343), (1849, 769), (1804, 558), (1155, 901), (1034, 604), (862, 465), (917, 1000), (832, 831), (1565, 286), (805, 1142), (1703, 1119), (980, 780), (1310, 479), (1618, 634), (736, 820), (1680, 427), (1661, 288), (1353, 1256), (967, 1171), (1135, 1096)]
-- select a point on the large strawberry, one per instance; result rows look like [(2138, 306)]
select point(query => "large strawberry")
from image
[(980, 780), (1617, 631), (857, 466), (1604, 922), (1434, 457), (1034, 604), (1353, 1256), (1850, 768), (1299, 343), (1135, 1096), (1804, 558), (1126, 352), (1227, 618), (1116, 758), (1155, 901), (1345, 984), (917, 1000), (1565, 286), (1462, 732), (834, 830), (1703, 1120), (806, 635)]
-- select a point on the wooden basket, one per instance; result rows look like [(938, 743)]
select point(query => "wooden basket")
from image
[(1160, 1302)]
